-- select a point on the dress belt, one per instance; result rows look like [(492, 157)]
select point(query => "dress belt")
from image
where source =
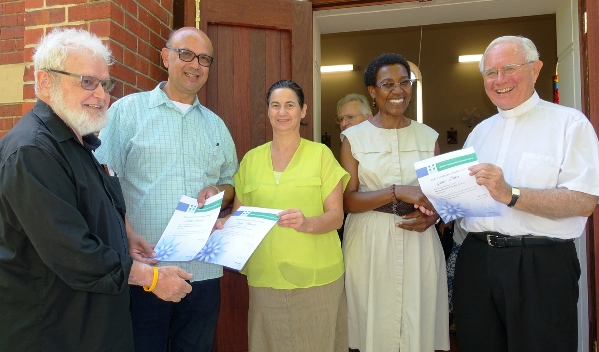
[(498, 240), (400, 208)]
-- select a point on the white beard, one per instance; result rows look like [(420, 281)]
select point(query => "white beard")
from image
[(82, 122)]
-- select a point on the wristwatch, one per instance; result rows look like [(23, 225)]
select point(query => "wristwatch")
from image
[(515, 196)]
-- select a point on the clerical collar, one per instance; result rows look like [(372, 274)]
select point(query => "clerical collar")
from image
[(522, 108)]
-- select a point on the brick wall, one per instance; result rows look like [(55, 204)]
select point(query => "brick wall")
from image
[(11, 59), (135, 31)]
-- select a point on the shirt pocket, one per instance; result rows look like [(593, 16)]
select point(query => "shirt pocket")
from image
[(537, 171), (308, 191)]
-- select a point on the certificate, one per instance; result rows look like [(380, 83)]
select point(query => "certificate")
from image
[(189, 229), (447, 183), (234, 244)]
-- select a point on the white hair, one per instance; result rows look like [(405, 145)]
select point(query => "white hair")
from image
[(530, 50), (54, 48)]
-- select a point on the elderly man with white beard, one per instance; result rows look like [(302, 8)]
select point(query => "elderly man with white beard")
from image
[(65, 266)]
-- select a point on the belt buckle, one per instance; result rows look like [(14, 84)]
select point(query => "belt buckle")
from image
[(497, 241)]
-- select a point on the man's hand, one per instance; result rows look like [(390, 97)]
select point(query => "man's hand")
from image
[(205, 194), (140, 249), (491, 177), (171, 285)]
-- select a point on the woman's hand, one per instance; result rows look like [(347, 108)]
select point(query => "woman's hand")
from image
[(414, 195), (293, 218), (420, 223), (219, 224)]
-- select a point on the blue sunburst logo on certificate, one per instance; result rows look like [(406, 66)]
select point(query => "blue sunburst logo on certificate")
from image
[(449, 212), (166, 250), (212, 250)]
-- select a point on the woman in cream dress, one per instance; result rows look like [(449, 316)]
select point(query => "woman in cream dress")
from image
[(395, 268)]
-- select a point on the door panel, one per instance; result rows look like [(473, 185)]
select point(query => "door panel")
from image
[(256, 43)]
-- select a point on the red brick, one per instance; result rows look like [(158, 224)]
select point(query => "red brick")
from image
[(28, 74), (117, 50), (129, 58), (34, 4), (158, 11), (16, 120), (11, 58), (10, 110), (117, 14), (145, 83), (5, 124), (28, 91), (88, 12), (121, 36), (147, 18), (100, 28), (12, 32), (45, 16), (168, 5), (158, 73), (146, 50), (165, 31), (32, 36), (156, 40), (142, 65), (123, 73), (129, 89), (137, 28), (128, 6), (26, 106), (14, 7), (2, 134), (9, 21), (27, 54), (50, 3), (7, 46)]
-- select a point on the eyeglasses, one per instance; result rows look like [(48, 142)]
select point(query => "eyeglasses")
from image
[(389, 86), (89, 82), (349, 118), (188, 56), (507, 70)]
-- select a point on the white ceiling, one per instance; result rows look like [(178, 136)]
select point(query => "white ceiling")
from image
[(426, 13)]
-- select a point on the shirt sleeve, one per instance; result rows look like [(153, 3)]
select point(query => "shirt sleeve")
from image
[(580, 167), (41, 202), (331, 173)]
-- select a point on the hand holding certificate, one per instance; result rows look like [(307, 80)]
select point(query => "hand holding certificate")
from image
[(188, 230), (187, 235), (447, 183)]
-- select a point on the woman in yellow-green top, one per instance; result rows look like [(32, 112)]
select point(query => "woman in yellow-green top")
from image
[(297, 295)]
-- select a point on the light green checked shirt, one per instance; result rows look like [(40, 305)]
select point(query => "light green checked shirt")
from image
[(159, 154)]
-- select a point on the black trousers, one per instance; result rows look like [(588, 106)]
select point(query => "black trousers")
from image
[(517, 299)]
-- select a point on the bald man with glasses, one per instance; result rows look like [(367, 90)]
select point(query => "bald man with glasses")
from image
[(163, 144)]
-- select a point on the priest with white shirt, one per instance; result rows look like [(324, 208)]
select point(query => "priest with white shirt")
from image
[(516, 276)]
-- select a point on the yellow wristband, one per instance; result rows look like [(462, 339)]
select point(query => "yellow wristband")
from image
[(154, 281), (216, 188)]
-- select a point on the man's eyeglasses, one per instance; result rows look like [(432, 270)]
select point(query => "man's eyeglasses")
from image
[(507, 70), (89, 82), (188, 56), (389, 86), (349, 118)]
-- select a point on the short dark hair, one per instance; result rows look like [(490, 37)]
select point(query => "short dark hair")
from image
[(384, 60), (286, 83)]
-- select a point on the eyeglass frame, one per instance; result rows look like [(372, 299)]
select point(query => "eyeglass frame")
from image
[(102, 82), (180, 50), (516, 67), (349, 117), (397, 85)]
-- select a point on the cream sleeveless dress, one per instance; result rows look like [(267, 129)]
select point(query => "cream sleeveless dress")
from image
[(395, 279)]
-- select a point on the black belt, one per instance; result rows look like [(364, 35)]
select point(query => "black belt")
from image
[(497, 240)]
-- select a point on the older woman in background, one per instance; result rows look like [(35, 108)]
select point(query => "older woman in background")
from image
[(395, 267), (297, 296)]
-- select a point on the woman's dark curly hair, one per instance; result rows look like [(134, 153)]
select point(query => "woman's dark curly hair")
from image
[(384, 60)]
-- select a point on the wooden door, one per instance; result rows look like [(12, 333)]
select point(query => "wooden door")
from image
[(588, 16), (256, 43)]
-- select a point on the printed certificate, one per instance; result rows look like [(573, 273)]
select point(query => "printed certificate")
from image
[(234, 244), (189, 229), (445, 180)]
